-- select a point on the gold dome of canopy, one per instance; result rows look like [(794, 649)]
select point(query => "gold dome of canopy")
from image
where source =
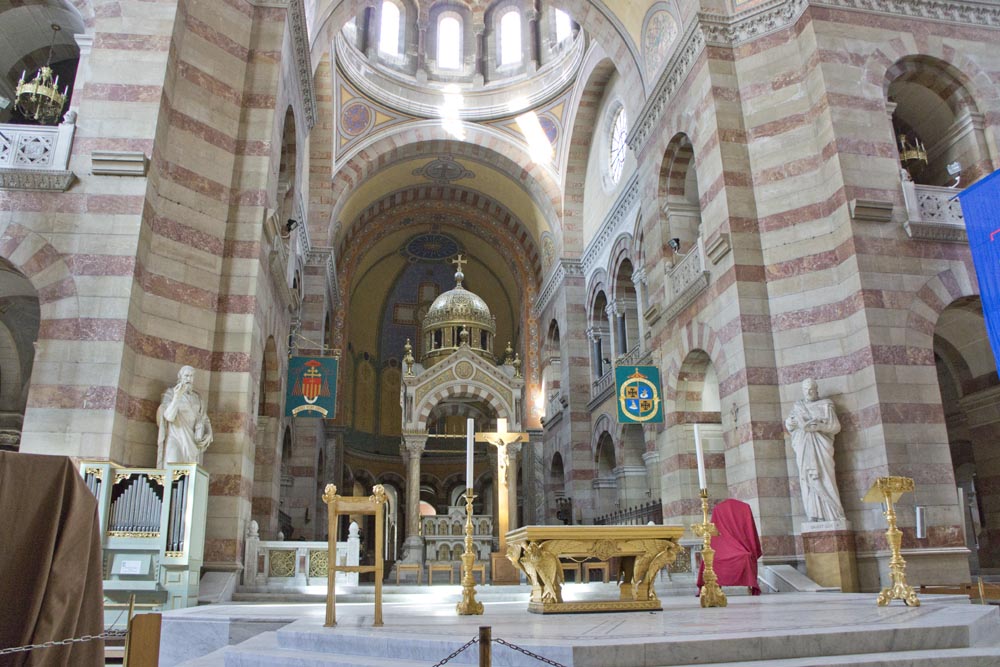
[(459, 306), (456, 317)]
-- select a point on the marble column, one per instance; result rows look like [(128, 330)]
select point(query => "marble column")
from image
[(513, 449), (612, 311), (412, 449)]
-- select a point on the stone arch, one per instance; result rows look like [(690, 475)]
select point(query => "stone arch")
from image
[(678, 195), (695, 336), (462, 389), (932, 103), (927, 305), (421, 138), (585, 120), (895, 58)]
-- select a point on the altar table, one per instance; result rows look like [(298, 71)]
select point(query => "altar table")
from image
[(641, 550)]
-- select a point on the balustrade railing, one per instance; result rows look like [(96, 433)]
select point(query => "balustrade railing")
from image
[(933, 212), (686, 280), (602, 384), (630, 358), (36, 147), (280, 564)]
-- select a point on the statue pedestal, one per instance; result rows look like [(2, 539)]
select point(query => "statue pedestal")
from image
[(830, 554), (503, 571)]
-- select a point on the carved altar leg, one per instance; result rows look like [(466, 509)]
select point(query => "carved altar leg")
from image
[(627, 574)]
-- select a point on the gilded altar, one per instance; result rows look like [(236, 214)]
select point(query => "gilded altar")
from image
[(642, 551)]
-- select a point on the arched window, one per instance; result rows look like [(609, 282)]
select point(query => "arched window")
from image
[(510, 38), (388, 40), (449, 42), (616, 159), (564, 28)]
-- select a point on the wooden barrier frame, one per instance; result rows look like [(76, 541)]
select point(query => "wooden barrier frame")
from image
[(335, 507)]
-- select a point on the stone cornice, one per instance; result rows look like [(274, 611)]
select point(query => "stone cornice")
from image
[(563, 268), (975, 12), (303, 61), (674, 73), (628, 197), (776, 15), (750, 24), (324, 257), (300, 46)]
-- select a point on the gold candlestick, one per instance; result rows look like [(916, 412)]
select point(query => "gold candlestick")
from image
[(469, 606), (711, 593), (890, 489)]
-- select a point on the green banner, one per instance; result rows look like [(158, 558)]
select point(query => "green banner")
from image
[(312, 387), (638, 392)]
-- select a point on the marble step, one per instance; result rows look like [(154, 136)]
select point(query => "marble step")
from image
[(960, 657)]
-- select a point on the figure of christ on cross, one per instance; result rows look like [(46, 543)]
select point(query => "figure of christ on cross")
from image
[(501, 439)]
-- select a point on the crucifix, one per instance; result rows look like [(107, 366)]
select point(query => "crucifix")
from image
[(501, 439), (458, 262)]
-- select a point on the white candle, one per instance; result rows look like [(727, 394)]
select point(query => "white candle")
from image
[(700, 455), (470, 441), (501, 425)]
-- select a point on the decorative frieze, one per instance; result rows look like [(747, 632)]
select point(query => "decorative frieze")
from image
[(976, 12), (35, 179)]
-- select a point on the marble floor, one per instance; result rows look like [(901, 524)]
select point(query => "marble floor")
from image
[(421, 628)]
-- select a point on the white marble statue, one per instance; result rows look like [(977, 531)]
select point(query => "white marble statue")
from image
[(184, 429), (813, 423)]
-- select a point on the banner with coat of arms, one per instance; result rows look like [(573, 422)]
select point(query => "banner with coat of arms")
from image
[(638, 392), (312, 387)]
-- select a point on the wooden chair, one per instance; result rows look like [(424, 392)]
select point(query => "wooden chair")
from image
[(571, 567), (481, 569), (440, 567), (600, 566), (409, 567)]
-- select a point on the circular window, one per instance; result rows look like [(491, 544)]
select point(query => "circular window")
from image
[(616, 159)]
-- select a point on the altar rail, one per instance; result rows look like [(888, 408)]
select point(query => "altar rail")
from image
[(640, 515), (277, 563)]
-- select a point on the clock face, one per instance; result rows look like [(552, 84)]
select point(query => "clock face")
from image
[(619, 130)]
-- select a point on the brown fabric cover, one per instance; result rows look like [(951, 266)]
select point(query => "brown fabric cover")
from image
[(51, 584)]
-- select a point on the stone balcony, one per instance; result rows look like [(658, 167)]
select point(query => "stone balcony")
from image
[(933, 213), (686, 280), (36, 157)]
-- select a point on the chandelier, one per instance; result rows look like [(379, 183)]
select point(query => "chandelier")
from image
[(912, 155), (40, 99)]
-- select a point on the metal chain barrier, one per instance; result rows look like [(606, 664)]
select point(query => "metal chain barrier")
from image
[(529, 653), (63, 642), (474, 640)]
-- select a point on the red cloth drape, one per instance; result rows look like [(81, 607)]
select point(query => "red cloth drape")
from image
[(51, 584), (737, 546)]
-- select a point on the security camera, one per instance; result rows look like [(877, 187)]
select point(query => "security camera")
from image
[(675, 244), (955, 171)]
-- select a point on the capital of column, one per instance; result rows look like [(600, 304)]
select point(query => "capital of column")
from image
[(412, 446), (650, 458), (639, 276), (478, 28), (593, 335), (612, 308)]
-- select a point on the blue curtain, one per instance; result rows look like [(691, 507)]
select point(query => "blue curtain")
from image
[(981, 208)]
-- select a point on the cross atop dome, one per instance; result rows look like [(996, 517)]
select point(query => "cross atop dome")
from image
[(458, 262)]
